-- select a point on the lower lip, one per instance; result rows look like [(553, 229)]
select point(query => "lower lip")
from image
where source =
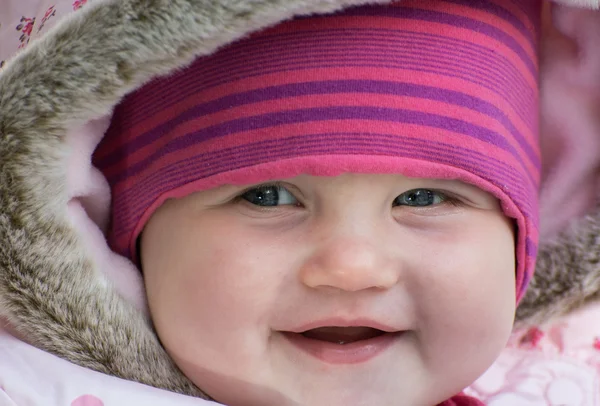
[(351, 353)]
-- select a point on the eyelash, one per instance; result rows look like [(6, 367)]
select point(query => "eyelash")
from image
[(447, 198), (454, 201), (277, 185)]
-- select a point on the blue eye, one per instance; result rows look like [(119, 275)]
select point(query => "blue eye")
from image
[(269, 196), (420, 198)]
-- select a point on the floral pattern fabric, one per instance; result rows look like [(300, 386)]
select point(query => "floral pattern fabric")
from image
[(23, 21), (553, 365)]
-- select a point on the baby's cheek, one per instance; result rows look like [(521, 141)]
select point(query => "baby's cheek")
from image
[(224, 290), (467, 300), (464, 335)]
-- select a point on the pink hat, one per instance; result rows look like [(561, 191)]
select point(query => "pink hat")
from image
[(437, 89)]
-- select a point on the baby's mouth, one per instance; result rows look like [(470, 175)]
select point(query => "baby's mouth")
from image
[(342, 335), (343, 345)]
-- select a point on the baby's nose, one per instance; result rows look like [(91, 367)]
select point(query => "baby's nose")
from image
[(350, 266)]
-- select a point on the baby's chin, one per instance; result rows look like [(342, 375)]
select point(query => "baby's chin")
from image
[(244, 394), (235, 391)]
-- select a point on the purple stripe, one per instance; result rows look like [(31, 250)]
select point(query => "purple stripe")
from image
[(531, 251), (486, 6), (452, 20), (504, 173), (531, 248), (239, 55), (172, 94), (473, 158), (314, 88), (531, 9), (501, 12), (525, 205), (505, 80), (156, 190), (521, 111), (219, 161), (175, 176), (321, 114)]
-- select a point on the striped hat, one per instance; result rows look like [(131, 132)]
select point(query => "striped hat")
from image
[(436, 89)]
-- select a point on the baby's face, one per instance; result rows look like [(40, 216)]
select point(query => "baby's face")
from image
[(349, 290)]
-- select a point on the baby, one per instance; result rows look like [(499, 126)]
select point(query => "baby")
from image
[(339, 210)]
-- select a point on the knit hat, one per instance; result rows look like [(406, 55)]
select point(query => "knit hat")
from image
[(433, 89)]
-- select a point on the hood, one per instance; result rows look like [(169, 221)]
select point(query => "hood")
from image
[(567, 275), (61, 287)]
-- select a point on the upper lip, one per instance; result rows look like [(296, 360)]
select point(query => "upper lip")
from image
[(341, 322)]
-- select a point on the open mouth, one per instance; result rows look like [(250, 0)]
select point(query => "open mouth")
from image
[(342, 335), (343, 345)]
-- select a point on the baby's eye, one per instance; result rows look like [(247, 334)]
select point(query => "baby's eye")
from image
[(420, 198), (269, 196)]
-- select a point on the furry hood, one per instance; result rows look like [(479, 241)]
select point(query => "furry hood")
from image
[(57, 276)]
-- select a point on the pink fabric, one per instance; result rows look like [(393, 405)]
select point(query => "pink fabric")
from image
[(31, 377), (23, 21), (462, 400), (570, 102), (89, 210), (557, 364)]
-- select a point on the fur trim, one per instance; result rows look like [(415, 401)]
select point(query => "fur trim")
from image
[(568, 267), (567, 274), (50, 289)]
